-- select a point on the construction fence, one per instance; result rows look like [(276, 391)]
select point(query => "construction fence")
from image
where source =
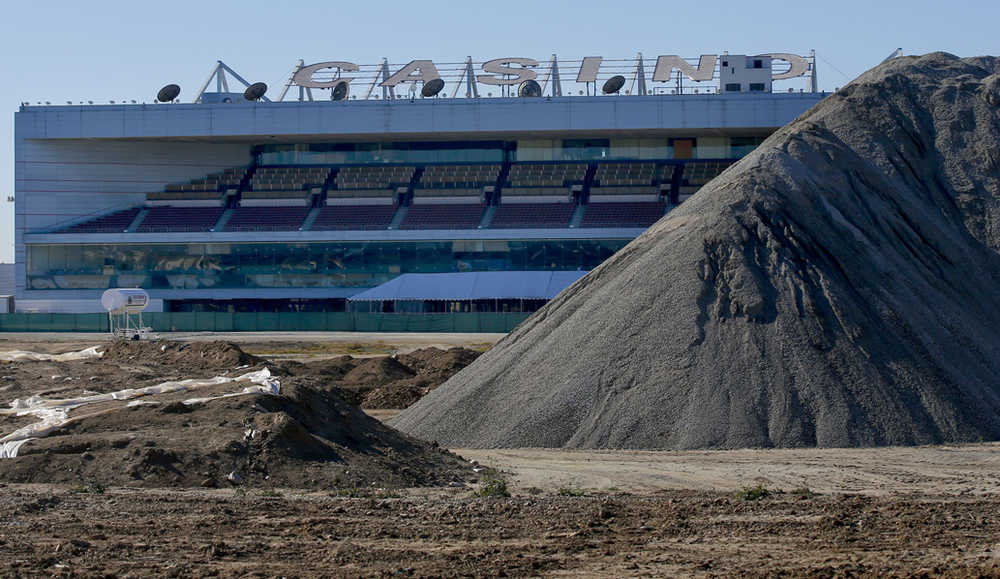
[(273, 322)]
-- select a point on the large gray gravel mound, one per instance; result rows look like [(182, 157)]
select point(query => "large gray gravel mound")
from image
[(837, 287)]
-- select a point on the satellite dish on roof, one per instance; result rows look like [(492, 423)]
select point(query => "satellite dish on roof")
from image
[(613, 84), (255, 91), (529, 88), (339, 91), (168, 93), (432, 87)]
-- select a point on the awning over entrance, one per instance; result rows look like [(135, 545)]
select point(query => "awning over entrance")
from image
[(483, 285)]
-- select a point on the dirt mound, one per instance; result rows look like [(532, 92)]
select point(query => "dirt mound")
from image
[(304, 438), (385, 381), (398, 395), (380, 370), (836, 287), (180, 355), (437, 363), (430, 367)]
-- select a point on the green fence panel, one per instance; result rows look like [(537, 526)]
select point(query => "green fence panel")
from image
[(313, 321), (466, 322), (159, 321), (493, 322), (432, 323), (272, 321), (22, 322), (268, 322), (204, 321), (339, 322), (184, 321), (245, 322), (365, 322), (224, 322), (53, 322), (515, 319), (390, 322), (288, 322), (91, 323)]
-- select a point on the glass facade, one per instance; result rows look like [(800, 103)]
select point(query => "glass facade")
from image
[(501, 151), (295, 265), (379, 153), (740, 147)]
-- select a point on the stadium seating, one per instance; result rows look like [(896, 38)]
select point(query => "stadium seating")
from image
[(214, 182), (456, 180), (701, 172), (441, 216), (552, 175), (267, 219), (167, 219), (621, 214), (370, 181), (624, 179), (374, 176), (666, 173), (288, 178), (355, 193), (353, 217), (167, 196), (116, 222), (530, 215), (206, 190)]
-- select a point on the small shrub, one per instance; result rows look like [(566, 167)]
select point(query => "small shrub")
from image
[(94, 488), (493, 485), (572, 492), (803, 493), (270, 493), (754, 493)]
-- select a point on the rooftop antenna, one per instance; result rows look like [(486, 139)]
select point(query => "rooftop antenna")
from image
[(219, 72), (553, 76), (469, 77), (290, 81), (638, 77), (383, 71), (813, 83)]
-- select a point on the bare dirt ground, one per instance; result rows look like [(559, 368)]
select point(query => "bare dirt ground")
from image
[(301, 346), (925, 511), (954, 470)]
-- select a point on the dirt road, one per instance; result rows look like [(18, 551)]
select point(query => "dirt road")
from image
[(955, 470)]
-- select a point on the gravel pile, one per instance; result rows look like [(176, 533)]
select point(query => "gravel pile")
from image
[(837, 287)]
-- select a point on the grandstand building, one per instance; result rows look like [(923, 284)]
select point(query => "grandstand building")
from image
[(229, 204)]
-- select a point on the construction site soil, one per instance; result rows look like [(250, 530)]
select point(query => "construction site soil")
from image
[(140, 533), (125, 494), (310, 435)]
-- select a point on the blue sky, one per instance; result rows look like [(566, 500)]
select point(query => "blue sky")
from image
[(112, 50)]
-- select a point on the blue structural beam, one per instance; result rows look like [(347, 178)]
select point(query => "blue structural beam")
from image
[(680, 114)]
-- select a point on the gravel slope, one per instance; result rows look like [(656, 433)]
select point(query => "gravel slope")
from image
[(837, 287)]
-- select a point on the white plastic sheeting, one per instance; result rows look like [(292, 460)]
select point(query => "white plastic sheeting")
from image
[(24, 356), (53, 414)]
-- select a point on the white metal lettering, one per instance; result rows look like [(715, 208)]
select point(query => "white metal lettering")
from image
[(665, 66), (588, 69), (417, 70), (499, 67), (304, 76), (799, 66)]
